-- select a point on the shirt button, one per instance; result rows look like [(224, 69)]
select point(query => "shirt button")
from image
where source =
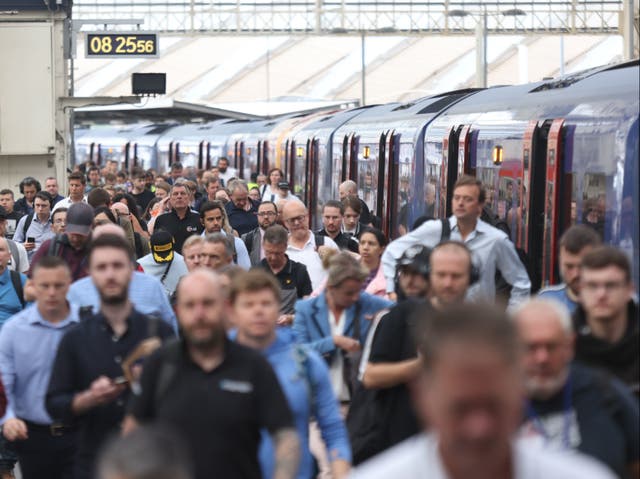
[(117, 359)]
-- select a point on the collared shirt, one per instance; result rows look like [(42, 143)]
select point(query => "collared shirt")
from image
[(40, 230), (241, 220), (145, 293), (559, 293), (75, 258), (28, 345), (9, 302), (219, 413), (66, 202), (294, 283), (308, 256), (180, 228), (490, 248), (345, 241), (86, 352)]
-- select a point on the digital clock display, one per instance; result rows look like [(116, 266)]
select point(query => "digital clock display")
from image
[(122, 45)]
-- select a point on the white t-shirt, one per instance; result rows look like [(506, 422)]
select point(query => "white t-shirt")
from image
[(337, 363), (418, 458), (309, 257)]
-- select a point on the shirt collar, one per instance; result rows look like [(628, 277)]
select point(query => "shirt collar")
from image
[(36, 318)]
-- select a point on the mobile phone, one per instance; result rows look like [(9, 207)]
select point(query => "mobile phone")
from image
[(120, 380), (31, 239)]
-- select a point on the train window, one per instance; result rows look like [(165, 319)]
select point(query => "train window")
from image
[(409, 207), (432, 171), (368, 175)]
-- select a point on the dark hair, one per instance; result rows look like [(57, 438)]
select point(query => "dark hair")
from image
[(109, 240), (7, 191), (93, 168), (352, 202), (176, 166), (98, 197), (76, 175), (49, 262), (334, 204), (212, 205), (576, 238), (44, 196), (62, 209), (468, 180), (147, 212), (106, 211), (130, 201), (604, 256), (466, 323), (275, 207), (213, 179), (253, 281), (29, 181), (275, 234), (380, 237)]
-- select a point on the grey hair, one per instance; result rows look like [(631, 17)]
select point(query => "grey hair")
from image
[(237, 184), (559, 311), (350, 185), (219, 238)]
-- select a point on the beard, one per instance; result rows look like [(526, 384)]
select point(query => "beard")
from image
[(543, 389), (213, 340), (113, 299)]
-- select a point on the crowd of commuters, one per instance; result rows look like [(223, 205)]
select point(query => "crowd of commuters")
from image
[(192, 325)]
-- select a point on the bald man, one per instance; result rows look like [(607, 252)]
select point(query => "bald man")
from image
[(304, 246), (221, 424)]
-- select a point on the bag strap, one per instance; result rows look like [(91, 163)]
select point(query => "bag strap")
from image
[(27, 223), (15, 254), (16, 280), (356, 321), (166, 271), (446, 230)]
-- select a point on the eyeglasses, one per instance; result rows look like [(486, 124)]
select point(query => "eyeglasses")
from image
[(295, 219), (266, 213)]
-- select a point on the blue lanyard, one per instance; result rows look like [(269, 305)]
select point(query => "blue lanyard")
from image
[(566, 422)]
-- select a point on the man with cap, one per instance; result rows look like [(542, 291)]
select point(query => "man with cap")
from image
[(163, 262), (72, 245)]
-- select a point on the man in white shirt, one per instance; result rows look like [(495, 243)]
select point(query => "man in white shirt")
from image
[(305, 247), (77, 182), (491, 248), (470, 393)]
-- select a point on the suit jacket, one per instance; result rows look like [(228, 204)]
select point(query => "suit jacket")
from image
[(311, 323), (253, 242)]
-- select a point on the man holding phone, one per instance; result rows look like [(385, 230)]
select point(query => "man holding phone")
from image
[(87, 385), (35, 228)]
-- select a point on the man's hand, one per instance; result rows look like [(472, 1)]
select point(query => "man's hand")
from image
[(285, 320), (29, 246), (102, 391), (15, 429), (346, 343)]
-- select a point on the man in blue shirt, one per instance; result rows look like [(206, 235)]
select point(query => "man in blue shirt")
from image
[(302, 373), (35, 226), (28, 345), (576, 242), (145, 292), (10, 301), (241, 210)]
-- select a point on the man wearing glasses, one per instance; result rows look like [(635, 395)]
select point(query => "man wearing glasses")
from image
[(606, 321), (267, 216), (304, 246)]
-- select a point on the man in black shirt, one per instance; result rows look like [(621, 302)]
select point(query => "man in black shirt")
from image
[(293, 276), (140, 192), (241, 210), (573, 407), (606, 320), (87, 384), (216, 394), (181, 222), (394, 361), (332, 214)]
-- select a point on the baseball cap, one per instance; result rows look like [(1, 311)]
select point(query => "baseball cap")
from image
[(3, 213), (283, 185), (415, 258), (162, 246), (79, 219)]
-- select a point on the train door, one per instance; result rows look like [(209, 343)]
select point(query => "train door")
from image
[(291, 154), (352, 165), (265, 158), (208, 155), (201, 155), (464, 166), (383, 158), (311, 197), (388, 182), (450, 171)]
